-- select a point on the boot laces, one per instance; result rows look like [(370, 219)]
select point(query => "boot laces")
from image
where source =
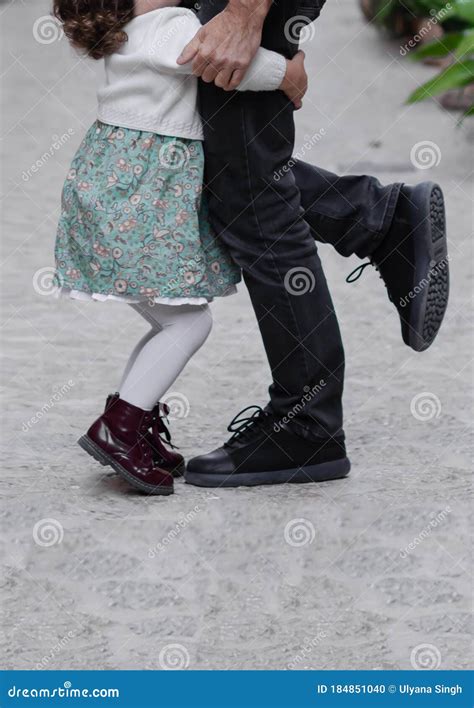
[(243, 426), (159, 426), (357, 272)]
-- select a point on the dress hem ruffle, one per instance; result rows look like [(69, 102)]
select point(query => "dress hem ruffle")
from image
[(134, 299)]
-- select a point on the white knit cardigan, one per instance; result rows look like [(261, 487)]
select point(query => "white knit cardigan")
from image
[(145, 89)]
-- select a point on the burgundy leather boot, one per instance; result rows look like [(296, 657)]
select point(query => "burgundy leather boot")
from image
[(166, 459), (172, 460), (119, 439)]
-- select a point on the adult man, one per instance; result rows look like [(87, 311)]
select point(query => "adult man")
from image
[(268, 215)]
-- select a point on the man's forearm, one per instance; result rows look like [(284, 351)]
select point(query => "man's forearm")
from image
[(256, 10)]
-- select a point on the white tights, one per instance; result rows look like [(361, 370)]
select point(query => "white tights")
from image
[(177, 332)]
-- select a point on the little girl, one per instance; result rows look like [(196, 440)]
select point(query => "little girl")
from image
[(134, 226)]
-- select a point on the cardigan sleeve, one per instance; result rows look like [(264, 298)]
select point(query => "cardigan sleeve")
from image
[(177, 26), (174, 29), (265, 73)]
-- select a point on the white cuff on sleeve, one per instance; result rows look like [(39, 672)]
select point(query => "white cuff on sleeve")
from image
[(265, 73)]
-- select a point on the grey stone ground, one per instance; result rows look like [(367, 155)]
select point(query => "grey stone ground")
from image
[(106, 582)]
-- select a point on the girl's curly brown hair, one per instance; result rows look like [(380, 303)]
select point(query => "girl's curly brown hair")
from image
[(95, 26)]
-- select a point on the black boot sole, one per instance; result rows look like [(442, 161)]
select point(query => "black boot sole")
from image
[(431, 272), (324, 472), (98, 454)]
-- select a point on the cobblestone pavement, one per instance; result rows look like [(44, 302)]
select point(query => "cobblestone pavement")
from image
[(363, 573)]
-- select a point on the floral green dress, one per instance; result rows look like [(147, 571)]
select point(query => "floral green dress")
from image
[(134, 223)]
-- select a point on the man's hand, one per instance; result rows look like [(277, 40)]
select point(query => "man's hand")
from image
[(222, 50), (295, 83)]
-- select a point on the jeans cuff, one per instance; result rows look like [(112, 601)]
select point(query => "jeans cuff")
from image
[(387, 219)]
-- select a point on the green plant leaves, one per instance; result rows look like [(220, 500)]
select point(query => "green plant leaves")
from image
[(466, 44), (458, 43), (438, 47), (464, 9), (455, 76)]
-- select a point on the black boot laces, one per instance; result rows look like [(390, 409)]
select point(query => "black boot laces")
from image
[(357, 272), (244, 427), (159, 426)]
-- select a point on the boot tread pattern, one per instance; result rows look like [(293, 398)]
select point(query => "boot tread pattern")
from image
[(438, 288)]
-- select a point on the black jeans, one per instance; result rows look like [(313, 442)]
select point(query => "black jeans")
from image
[(268, 209)]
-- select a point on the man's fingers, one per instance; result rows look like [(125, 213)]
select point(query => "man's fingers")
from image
[(209, 74), (190, 51), (236, 80), (223, 78), (199, 65), (300, 56)]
